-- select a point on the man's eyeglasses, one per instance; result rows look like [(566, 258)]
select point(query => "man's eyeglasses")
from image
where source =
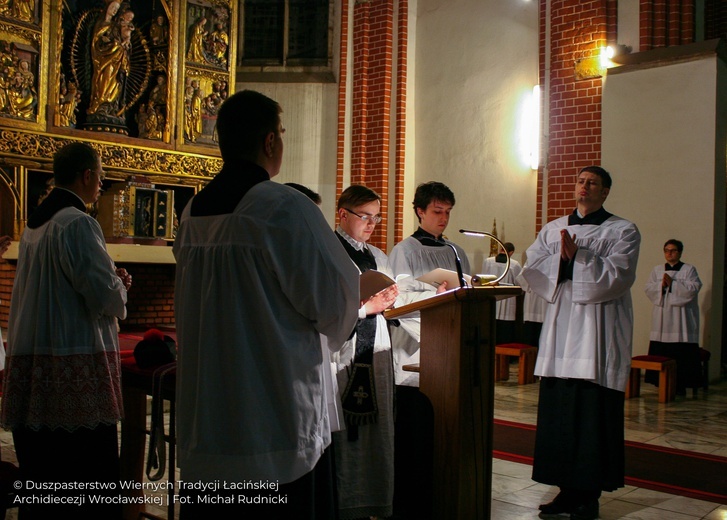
[(374, 219), (671, 250)]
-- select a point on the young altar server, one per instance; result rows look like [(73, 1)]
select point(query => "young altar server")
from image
[(365, 450)]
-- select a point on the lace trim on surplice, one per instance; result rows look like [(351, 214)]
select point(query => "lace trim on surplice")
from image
[(69, 392)]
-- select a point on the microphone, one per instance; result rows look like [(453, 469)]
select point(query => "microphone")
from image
[(493, 237), (457, 261)]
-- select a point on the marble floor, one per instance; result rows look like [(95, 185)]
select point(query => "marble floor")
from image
[(696, 423)]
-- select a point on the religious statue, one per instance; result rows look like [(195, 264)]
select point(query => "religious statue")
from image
[(158, 32), (193, 111), (154, 123), (110, 49), (158, 94), (68, 105), (24, 10), (21, 96), (197, 40), (219, 42)]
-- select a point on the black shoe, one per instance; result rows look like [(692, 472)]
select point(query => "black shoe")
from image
[(558, 506), (587, 511)]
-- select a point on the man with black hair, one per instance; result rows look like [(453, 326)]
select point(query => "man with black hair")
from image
[(62, 388), (259, 278), (583, 265), (425, 250)]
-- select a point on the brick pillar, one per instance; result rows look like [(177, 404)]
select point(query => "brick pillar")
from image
[(374, 100), (400, 118), (578, 29)]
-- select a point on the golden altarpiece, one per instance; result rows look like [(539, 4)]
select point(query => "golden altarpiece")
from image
[(140, 80)]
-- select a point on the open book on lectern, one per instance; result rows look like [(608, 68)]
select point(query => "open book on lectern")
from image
[(372, 282), (439, 275)]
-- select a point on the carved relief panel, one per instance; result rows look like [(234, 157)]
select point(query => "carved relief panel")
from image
[(206, 71), (154, 70), (23, 48), (141, 80), (116, 68)]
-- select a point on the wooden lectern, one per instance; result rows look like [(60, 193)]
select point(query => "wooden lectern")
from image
[(457, 362)]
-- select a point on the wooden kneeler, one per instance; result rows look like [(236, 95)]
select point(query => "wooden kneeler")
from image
[(667, 369), (526, 355)]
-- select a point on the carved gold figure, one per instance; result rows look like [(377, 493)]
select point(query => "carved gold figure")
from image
[(110, 49), (196, 41), (23, 10)]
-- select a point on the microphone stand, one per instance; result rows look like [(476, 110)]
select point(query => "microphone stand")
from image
[(457, 260), (493, 237), (458, 263)]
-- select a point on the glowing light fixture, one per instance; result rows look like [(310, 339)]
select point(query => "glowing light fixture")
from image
[(530, 130)]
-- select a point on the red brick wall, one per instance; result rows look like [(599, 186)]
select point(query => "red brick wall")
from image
[(400, 119), (372, 88), (578, 30), (150, 302), (665, 23), (151, 297), (373, 102)]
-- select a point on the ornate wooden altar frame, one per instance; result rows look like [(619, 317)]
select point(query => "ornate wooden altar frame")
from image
[(45, 47)]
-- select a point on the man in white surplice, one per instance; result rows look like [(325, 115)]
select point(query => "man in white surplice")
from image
[(673, 288), (583, 265), (365, 373), (259, 278)]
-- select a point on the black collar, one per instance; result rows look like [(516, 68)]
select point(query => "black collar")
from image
[(594, 219), (427, 239), (56, 200), (223, 193)]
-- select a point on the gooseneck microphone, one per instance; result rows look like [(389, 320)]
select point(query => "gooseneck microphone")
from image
[(457, 261), (493, 237)]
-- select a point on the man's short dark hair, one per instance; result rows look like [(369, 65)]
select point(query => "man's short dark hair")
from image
[(509, 247), (357, 195), (243, 121), (597, 170), (71, 161), (312, 195), (676, 243), (429, 192)]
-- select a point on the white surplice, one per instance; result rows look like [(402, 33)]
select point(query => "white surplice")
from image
[(365, 467), (588, 326), (409, 259), (255, 289), (675, 316)]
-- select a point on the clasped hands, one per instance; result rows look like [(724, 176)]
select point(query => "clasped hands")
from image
[(125, 277), (568, 246)]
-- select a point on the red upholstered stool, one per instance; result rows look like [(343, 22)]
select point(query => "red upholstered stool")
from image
[(526, 355), (667, 369)]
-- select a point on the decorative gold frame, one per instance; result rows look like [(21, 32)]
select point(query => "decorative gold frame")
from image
[(29, 145)]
